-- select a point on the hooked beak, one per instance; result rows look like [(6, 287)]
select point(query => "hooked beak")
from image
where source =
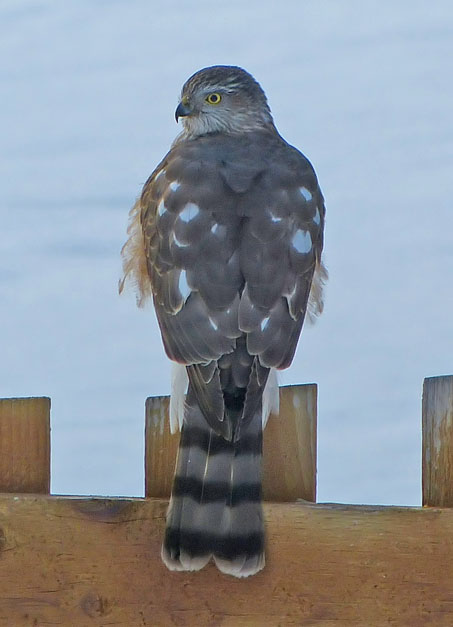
[(182, 110)]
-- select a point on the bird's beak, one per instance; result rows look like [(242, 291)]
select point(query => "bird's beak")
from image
[(183, 109)]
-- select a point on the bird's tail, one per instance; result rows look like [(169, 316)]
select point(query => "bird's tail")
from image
[(215, 508)]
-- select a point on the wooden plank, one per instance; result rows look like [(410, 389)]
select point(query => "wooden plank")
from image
[(289, 446), (289, 466), (437, 447), (161, 448), (25, 445), (96, 562)]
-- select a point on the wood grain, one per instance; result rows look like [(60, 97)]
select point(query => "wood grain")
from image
[(289, 446), (289, 464), (96, 562), (437, 446), (25, 445)]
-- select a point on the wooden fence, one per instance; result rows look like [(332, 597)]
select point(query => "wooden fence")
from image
[(81, 561)]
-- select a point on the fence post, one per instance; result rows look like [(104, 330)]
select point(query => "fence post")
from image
[(289, 466), (25, 445), (437, 446), (161, 448)]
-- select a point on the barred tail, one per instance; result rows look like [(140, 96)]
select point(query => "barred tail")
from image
[(215, 508)]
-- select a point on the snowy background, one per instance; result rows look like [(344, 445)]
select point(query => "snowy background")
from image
[(87, 96)]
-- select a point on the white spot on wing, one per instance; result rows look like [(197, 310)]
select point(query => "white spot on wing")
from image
[(183, 286), (317, 218), (178, 242), (218, 229), (161, 209), (275, 218), (174, 185), (306, 193), (213, 324), (264, 323), (189, 212), (302, 241)]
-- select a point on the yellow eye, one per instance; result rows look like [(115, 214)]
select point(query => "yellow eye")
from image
[(214, 98)]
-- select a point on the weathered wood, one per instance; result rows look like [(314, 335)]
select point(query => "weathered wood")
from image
[(289, 446), (161, 447), (25, 445), (437, 455), (96, 562), (289, 467)]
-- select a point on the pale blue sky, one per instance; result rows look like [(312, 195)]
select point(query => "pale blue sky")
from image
[(87, 96)]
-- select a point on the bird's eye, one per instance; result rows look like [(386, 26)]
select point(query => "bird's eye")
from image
[(214, 98)]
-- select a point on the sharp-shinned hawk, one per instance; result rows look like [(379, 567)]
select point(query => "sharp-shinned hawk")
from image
[(227, 237)]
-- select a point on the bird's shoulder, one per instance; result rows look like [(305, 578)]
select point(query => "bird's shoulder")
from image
[(237, 162)]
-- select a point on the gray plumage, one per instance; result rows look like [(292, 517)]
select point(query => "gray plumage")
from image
[(227, 237)]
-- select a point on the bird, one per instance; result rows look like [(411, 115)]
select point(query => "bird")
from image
[(226, 238)]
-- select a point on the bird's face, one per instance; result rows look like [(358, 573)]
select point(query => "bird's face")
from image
[(222, 99)]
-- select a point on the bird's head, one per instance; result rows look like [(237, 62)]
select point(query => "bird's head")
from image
[(222, 98)]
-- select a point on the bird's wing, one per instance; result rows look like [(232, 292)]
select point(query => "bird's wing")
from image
[(191, 235), (280, 255)]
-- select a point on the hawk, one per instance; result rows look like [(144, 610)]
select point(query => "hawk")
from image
[(227, 238)]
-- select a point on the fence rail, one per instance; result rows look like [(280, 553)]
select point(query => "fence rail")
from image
[(95, 561)]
